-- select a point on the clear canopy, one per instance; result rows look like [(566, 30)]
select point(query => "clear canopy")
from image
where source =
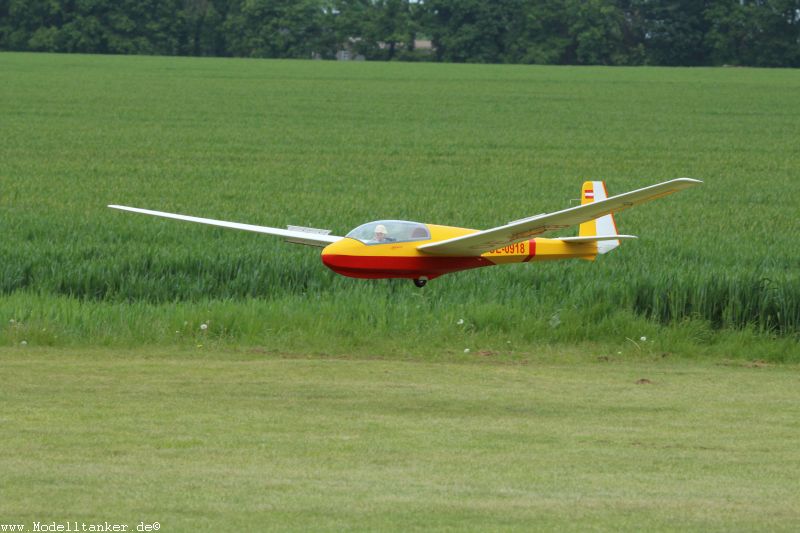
[(386, 231)]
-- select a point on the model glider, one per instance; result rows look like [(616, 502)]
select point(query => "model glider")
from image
[(421, 252)]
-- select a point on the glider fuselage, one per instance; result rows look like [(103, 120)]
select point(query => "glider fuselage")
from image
[(366, 258)]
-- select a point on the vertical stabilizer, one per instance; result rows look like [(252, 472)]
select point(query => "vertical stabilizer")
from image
[(593, 191)]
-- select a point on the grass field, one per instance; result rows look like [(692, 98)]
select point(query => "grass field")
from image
[(242, 440), (333, 145)]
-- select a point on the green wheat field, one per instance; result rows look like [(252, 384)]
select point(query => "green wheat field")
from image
[(154, 370)]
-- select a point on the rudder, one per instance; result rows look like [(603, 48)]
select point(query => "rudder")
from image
[(592, 191)]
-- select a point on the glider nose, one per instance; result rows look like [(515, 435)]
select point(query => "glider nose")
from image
[(333, 253), (326, 254), (342, 258)]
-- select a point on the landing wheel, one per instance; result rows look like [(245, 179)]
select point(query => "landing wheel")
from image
[(420, 282)]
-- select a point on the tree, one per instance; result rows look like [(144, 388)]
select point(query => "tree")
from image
[(473, 31), (276, 28), (674, 31), (201, 28), (391, 26), (777, 34), (598, 31), (764, 33), (540, 34), (24, 20)]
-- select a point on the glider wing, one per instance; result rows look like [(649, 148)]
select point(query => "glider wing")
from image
[(309, 236), (478, 243)]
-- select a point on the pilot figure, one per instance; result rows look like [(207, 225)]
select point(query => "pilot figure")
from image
[(381, 235)]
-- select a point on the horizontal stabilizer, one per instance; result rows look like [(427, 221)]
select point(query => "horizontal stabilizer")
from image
[(597, 238)]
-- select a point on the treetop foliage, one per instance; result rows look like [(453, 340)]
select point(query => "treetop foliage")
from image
[(764, 33)]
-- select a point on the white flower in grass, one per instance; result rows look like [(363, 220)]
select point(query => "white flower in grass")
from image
[(23, 343), (466, 350), (460, 321), (204, 326), (643, 338)]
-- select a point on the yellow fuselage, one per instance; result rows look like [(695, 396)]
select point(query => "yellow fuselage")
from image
[(354, 258)]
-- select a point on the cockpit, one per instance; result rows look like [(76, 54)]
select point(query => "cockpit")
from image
[(387, 231)]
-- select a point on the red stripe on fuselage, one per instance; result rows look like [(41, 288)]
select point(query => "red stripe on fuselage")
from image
[(531, 250), (356, 266)]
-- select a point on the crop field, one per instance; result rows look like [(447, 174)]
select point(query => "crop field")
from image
[(210, 379), (333, 145)]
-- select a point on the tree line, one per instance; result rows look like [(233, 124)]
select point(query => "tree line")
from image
[(763, 33)]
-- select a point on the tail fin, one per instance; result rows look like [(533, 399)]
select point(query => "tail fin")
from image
[(590, 192)]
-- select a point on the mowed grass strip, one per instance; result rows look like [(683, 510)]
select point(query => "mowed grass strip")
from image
[(237, 441)]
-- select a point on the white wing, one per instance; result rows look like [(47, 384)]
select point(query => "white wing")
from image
[(308, 236), (475, 244)]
